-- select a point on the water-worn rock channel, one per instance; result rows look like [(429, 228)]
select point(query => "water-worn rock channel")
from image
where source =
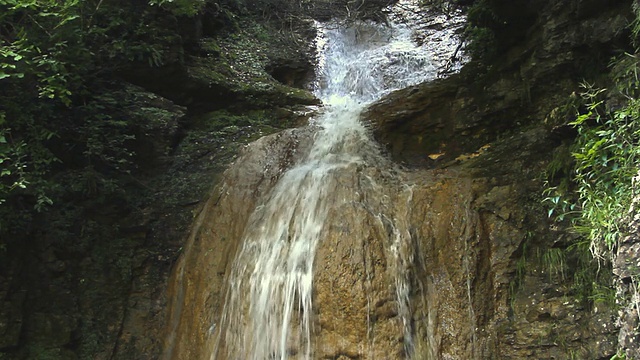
[(316, 246), (371, 196)]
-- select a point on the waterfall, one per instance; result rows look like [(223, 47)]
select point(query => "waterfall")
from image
[(305, 249), (268, 310)]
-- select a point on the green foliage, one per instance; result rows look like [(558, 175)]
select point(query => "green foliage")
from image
[(482, 42), (590, 283), (55, 57), (605, 158), (521, 269), (635, 25), (557, 180), (554, 262), (478, 33), (13, 167), (33, 80), (606, 153), (619, 356), (569, 264), (181, 7)]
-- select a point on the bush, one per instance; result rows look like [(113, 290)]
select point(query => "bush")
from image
[(56, 58), (605, 154)]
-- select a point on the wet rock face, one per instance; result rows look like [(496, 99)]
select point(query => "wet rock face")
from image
[(197, 292), (463, 215), (462, 231), (452, 121), (625, 268), (538, 67), (548, 321), (466, 223), (255, 66), (355, 315)]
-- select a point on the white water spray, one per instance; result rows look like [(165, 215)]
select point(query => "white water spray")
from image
[(268, 312)]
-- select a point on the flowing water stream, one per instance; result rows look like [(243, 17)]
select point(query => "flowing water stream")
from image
[(323, 265), (269, 306), (314, 245)]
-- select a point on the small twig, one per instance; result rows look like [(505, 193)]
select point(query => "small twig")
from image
[(94, 12), (40, 26)]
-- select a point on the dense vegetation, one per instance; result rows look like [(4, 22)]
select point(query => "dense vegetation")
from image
[(607, 151), (58, 62), (592, 181), (594, 175), (92, 193), (81, 154)]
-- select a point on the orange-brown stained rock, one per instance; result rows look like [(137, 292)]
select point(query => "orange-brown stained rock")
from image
[(352, 282), (197, 285), (464, 229)]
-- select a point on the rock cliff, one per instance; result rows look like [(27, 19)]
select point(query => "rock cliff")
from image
[(475, 145), (471, 146)]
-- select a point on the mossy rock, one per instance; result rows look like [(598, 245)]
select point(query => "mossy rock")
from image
[(252, 68)]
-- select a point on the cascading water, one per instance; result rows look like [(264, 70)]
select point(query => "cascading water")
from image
[(269, 308), (315, 246), (318, 223)]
